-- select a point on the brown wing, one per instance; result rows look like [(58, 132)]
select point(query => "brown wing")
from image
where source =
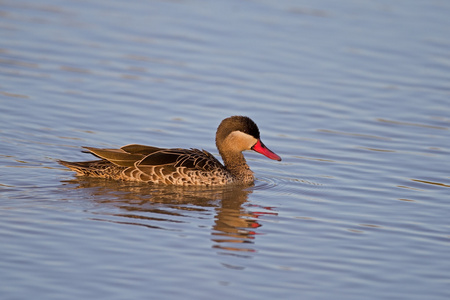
[(118, 157), (140, 149), (196, 159), (126, 156), (176, 158)]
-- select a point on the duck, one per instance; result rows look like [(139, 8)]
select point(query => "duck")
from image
[(177, 166)]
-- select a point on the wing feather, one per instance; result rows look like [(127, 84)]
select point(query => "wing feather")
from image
[(193, 159), (118, 157), (160, 158), (140, 149)]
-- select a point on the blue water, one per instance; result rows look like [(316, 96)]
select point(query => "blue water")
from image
[(354, 96)]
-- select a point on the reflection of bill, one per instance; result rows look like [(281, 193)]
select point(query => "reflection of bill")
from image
[(165, 207)]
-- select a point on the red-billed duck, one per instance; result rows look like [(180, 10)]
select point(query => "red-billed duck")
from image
[(181, 166)]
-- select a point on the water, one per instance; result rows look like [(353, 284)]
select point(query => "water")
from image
[(354, 96)]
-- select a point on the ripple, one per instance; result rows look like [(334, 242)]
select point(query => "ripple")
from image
[(75, 70), (431, 182), (412, 124), (264, 183), (376, 149), (283, 183), (323, 160), (13, 95), (354, 134)]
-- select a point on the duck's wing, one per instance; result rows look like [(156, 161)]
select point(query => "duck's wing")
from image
[(126, 156), (140, 149), (173, 159)]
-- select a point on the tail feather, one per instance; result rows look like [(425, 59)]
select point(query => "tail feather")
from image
[(87, 167)]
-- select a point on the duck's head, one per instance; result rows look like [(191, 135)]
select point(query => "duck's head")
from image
[(238, 133)]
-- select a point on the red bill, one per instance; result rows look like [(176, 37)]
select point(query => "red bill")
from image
[(261, 148)]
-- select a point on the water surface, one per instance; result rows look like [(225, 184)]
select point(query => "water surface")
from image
[(353, 96)]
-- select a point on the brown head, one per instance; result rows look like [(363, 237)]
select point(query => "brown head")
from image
[(238, 133)]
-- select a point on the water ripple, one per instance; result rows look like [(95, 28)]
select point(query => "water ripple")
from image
[(285, 184), (412, 124)]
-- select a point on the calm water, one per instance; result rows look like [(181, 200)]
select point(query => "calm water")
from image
[(353, 95)]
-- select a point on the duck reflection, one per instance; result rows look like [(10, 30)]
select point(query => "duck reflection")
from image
[(234, 225), (164, 207)]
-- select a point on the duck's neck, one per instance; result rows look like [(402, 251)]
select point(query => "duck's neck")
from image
[(236, 164)]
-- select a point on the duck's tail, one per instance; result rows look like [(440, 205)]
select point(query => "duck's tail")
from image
[(95, 168)]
